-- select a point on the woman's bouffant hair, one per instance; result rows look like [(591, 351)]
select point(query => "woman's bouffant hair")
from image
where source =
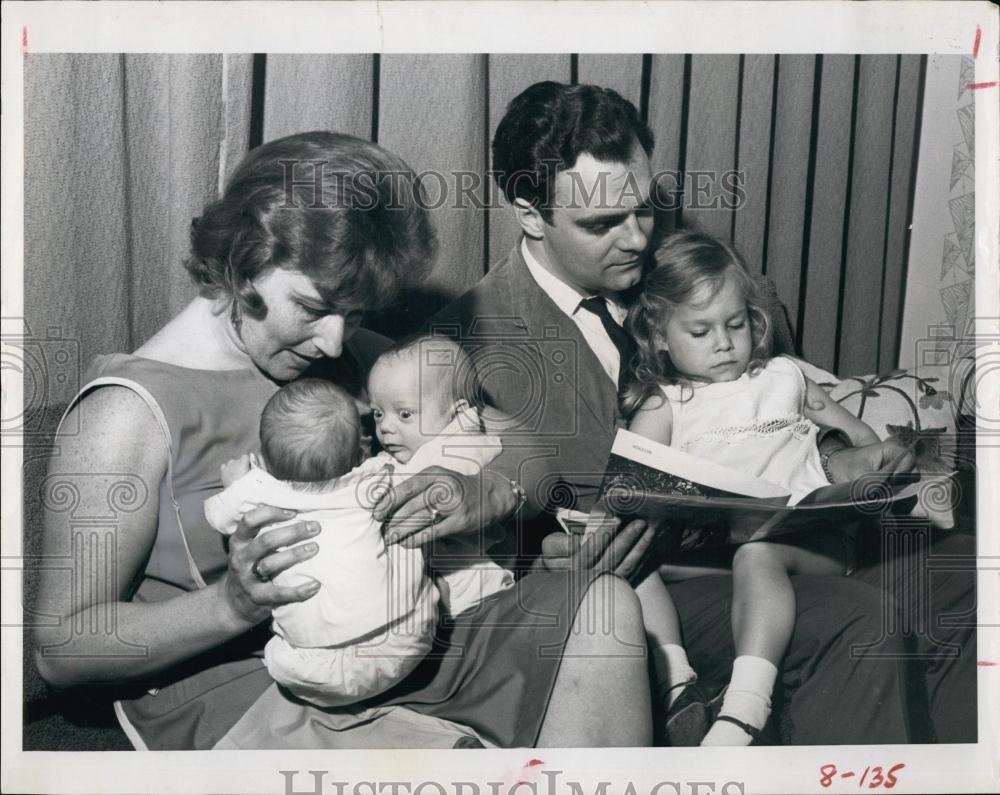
[(339, 209), (683, 262)]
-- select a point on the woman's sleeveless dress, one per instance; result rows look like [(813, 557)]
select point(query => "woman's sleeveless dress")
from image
[(489, 676)]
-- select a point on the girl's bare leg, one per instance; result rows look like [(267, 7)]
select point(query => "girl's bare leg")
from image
[(671, 667), (763, 621), (601, 694), (763, 598), (659, 615)]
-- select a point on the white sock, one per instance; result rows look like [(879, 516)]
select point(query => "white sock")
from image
[(748, 699), (673, 660)]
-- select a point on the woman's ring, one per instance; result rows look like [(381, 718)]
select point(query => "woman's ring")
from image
[(435, 516), (258, 573)]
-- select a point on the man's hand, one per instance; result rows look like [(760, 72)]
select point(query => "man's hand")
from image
[(603, 547), (890, 456), (437, 502)]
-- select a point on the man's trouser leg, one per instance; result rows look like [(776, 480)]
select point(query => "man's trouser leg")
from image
[(828, 692), (932, 580)]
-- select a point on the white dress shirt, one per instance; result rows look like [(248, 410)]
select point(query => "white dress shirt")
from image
[(590, 325)]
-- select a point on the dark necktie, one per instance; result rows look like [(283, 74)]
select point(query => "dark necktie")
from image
[(623, 342)]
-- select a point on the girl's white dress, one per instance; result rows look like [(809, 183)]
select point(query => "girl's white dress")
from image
[(754, 424)]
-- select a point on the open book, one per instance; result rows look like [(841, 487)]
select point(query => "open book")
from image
[(708, 504)]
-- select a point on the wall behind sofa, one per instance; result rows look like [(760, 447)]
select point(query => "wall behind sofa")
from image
[(122, 150)]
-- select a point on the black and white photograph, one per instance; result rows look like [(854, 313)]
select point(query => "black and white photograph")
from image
[(495, 397)]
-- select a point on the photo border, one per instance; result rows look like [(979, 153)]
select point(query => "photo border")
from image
[(386, 27)]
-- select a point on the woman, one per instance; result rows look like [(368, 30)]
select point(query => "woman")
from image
[(311, 230)]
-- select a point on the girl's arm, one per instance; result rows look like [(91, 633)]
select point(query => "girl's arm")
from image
[(824, 410), (90, 633), (654, 419)]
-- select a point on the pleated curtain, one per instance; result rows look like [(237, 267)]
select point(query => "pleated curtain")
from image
[(123, 150)]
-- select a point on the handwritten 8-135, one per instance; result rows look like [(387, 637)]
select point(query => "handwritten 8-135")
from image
[(876, 776)]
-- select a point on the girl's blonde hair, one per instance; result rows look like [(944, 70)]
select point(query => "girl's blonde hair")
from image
[(683, 263)]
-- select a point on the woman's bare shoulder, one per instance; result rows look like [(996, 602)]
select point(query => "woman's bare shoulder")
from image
[(110, 426)]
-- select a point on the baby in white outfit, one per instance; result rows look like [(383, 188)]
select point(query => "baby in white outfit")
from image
[(374, 617)]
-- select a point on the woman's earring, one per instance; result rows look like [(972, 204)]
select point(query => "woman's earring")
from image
[(236, 316)]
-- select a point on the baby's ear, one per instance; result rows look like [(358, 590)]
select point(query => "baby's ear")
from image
[(660, 342)]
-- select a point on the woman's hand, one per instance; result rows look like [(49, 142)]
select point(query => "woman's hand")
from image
[(438, 502), (255, 559), (603, 547)]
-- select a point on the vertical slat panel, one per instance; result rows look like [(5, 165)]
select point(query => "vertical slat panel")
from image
[(711, 142), (174, 125), (789, 176), (829, 200), (153, 135), (238, 71), (432, 114), (318, 92), (665, 116), (509, 76), (900, 193), (754, 157), (859, 333), (622, 73), (76, 255)]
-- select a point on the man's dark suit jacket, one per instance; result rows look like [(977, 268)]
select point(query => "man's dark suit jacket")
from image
[(534, 365)]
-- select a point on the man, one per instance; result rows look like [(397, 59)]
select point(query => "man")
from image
[(544, 329)]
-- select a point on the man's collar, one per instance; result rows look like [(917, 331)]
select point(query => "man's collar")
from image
[(565, 297)]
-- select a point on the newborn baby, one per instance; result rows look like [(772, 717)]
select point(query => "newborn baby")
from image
[(373, 619)]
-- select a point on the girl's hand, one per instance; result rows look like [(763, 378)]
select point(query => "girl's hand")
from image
[(891, 456), (439, 502), (255, 559)]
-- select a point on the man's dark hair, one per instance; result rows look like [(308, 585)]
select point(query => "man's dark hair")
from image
[(549, 125)]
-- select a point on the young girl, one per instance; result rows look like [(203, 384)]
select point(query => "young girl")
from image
[(704, 384)]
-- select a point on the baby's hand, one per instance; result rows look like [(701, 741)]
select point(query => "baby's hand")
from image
[(235, 468)]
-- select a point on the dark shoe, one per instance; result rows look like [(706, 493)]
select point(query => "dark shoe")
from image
[(714, 700), (765, 736), (751, 731), (467, 742), (687, 720)]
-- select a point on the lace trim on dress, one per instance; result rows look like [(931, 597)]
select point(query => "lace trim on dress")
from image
[(795, 424)]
